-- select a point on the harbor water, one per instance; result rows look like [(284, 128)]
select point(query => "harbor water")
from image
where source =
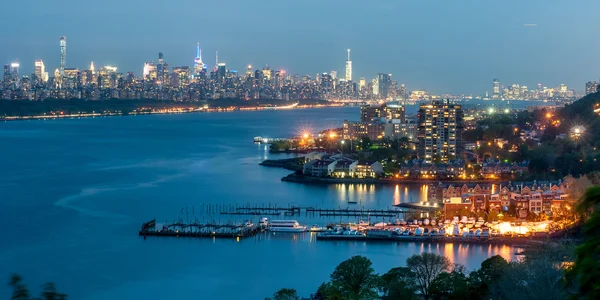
[(74, 193)]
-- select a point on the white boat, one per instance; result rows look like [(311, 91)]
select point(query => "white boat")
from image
[(363, 223), (316, 228), (286, 226), (264, 222)]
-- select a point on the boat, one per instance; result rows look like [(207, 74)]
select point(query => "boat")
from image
[(363, 223), (264, 222), (351, 201), (286, 226), (316, 228)]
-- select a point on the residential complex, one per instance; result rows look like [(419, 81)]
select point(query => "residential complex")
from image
[(440, 131)]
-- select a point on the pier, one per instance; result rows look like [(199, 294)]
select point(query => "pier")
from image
[(309, 211), (211, 229)]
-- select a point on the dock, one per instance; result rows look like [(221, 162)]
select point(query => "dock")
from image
[(212, 229), (309, 211)]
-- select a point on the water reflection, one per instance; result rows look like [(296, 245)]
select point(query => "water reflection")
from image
[(377, 196)]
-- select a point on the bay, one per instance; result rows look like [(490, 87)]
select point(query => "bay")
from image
[(73, 194)]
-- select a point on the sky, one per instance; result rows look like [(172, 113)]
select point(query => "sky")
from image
[(441, 46)]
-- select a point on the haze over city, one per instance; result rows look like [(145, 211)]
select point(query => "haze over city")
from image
[(447, 47)]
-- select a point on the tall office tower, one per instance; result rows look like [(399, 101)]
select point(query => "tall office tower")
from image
[(385, 82), (496, 89), (362, 83), (403, 93), (162, 69), (150, 71), (249, 72), (63, 54), (40, 71), (198, 64), (221, 72), (591, 87), (6, 77), (92, 67), (14, 72), (348, 68), (334, 75), (440, 131)]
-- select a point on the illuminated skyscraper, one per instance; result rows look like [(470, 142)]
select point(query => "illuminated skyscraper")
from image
[(198, 64), (362, 83), (40, 71), (92, 67), (440, 131), (496, 89), (385, 82), (14, 70), (149, 71), (63, 54), (162, 69), (348, 68)]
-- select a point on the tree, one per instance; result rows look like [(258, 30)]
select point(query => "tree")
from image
[(450, 285), (587, 257), (327, 292), (427, 266), (491, 270), (20, 291), (50, 293), (399, 283), (530, 279), (285, 294), (354, 279)]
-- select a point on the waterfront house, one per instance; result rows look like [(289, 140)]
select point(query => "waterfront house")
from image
[(314, 155), (345, 168), (370, 169), (322, 168), (535, 203)]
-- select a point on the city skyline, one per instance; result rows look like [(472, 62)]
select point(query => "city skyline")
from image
[(420, 54)]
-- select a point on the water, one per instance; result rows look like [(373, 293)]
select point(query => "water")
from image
[(73, 194)]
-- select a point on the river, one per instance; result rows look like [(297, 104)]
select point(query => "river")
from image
[(74, 192)]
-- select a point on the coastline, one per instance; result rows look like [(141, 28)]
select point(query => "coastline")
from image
[(163, 111), (318, 180)]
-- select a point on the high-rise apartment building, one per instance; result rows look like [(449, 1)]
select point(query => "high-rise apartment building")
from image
[(440, 131), (63, 54)]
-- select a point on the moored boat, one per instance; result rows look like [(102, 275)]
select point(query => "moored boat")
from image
[(286, 226)]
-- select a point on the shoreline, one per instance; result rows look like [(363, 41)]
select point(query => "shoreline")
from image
[(318, 180), (169, 112)]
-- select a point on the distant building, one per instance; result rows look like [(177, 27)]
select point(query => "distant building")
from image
[(63, 54), (591, 87), (440, 131), (385, 82), (40, 71), (496, 89), (348, 68)]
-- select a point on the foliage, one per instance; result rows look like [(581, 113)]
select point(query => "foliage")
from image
[(426, 267), (586, 271), (450, 285), (21, 292), (285, 294), (399, 283), (355, 279)]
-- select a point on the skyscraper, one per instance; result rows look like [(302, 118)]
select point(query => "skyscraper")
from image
[(348, 68), (591, 87), (198, 64), (14, 70), (440, 131), (162, 69), (63, 54), (385, 82), (496, 89), (40, 71)]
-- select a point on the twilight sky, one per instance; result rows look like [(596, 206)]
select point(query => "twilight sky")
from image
[(442, 46)]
